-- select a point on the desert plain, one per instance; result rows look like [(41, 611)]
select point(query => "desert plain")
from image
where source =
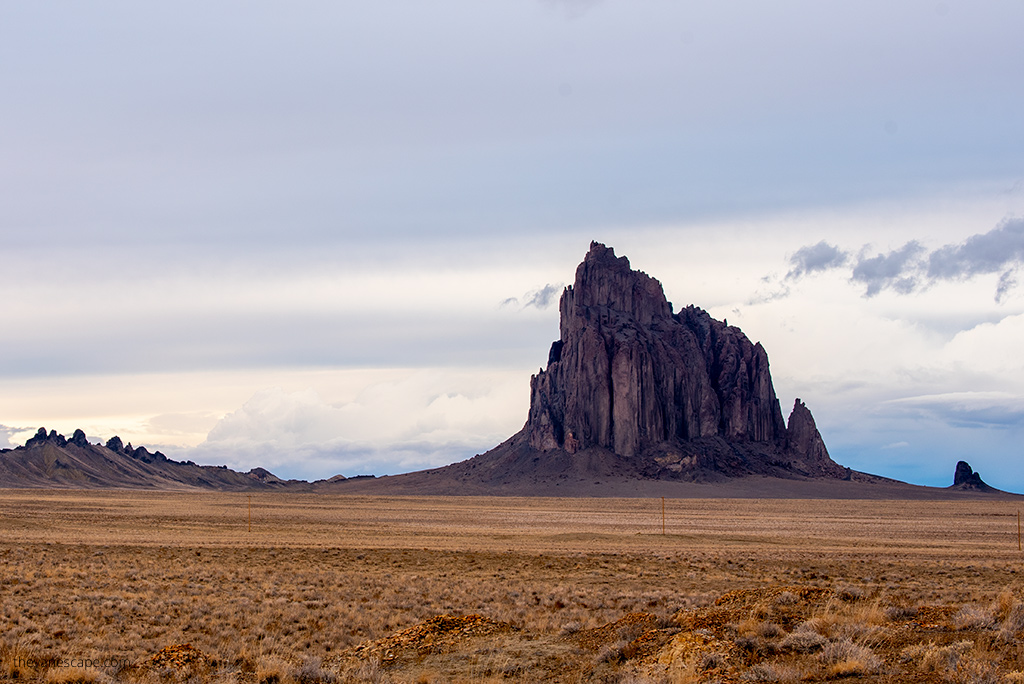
[(109, 586)]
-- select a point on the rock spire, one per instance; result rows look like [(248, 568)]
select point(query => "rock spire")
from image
[(630, 376)]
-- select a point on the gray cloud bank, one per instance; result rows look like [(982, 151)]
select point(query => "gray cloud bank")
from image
[(813, 258), (912, 267)]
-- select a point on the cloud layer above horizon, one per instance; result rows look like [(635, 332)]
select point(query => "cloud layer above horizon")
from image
[(333, 238), (912, 267)]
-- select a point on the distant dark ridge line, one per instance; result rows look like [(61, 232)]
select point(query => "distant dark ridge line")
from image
[(50, 460), (115, 444)]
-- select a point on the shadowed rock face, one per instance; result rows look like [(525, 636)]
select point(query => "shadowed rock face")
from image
[(964, 474), (964, 477), (630, 376)]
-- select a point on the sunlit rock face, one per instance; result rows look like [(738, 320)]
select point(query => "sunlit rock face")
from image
[(630, 376)]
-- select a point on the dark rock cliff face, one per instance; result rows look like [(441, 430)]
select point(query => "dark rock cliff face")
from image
[(965, 478), (630, 376)]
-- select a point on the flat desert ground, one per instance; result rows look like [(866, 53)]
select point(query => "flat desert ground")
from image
[(104, 586)]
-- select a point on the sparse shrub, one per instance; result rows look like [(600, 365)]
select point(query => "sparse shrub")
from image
[(900, 613), (850, 594), (859, 631), (973, 617), (1013, 620), (15, 664), (817, 625), (975, 672), (852, 667), (610, 653), (844, 658), (246, 607), (768, 630), (272, 671), (312, 672), (628, 632), (914, 652), (712, 661), (1004, 605), (787, 598), (570, 628), (803, 641), (751, 644), (73, 675), (771, 672), (944, 658), (365, 672)]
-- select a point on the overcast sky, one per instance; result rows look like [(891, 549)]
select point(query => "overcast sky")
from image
[(329, 237)]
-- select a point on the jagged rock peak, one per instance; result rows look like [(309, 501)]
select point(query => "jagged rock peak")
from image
[(964, 477), (79, 438), (804, 441), (606, 286), (263, 475), (41, 437), (628, 375), (963, 473)]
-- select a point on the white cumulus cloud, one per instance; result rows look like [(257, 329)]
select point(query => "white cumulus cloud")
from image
[(425, 419)]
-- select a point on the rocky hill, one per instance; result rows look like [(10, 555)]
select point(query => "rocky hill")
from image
[(51, 460)]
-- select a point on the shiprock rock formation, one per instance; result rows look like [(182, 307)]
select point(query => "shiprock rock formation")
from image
[(635, 389)]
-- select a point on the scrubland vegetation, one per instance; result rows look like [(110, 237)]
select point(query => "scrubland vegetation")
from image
[(107, 587)]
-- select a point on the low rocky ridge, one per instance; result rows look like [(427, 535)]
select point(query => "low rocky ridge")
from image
[(50, 460)]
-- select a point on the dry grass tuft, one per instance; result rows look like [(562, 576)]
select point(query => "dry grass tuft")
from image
[(772, 672), (945, 658), (271, 670), (973, 617), (804, 639), (74, 675), (844, 658)]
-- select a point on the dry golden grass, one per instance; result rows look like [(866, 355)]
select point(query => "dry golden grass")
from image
[(95, 586)]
